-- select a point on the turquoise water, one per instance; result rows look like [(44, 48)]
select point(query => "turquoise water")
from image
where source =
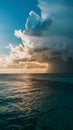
[(36, 102)]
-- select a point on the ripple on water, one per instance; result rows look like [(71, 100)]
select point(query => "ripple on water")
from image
[(29, 103)]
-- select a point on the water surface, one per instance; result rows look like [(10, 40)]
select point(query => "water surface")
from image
[(36, 102)]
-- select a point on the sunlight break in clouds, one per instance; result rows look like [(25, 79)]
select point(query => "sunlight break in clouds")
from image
[(24, 56)]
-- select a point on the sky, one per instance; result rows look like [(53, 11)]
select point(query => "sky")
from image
[(36, 35)]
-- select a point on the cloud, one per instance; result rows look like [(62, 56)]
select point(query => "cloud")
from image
[(38, 53), (61, 13), (36, 65), (36, 25), (43, 44)]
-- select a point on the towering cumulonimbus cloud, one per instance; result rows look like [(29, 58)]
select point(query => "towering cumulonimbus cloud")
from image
[(46, 40)]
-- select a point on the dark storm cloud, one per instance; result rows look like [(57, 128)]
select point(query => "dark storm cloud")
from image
[(62, 13), (63, 66), (59, 51), (56, 52), (63, 2), (67, 2)]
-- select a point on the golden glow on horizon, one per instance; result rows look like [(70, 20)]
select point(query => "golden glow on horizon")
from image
[(33, 70), (31, 67)]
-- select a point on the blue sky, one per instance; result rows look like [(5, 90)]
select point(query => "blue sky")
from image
[(13, 15)]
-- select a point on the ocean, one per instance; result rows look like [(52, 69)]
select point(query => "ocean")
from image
[(36, 102)]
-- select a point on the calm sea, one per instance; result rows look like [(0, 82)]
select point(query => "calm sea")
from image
[(36, 102)]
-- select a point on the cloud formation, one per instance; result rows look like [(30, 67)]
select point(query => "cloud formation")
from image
[(62, 14), (42, 43), (28, 55), (36, 25)]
